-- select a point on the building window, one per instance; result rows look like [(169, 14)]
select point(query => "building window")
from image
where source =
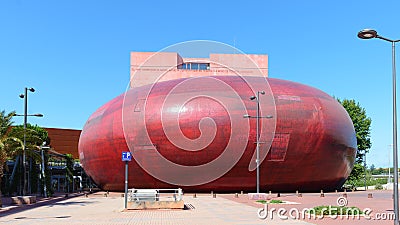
[(194, 66), (204, 66)]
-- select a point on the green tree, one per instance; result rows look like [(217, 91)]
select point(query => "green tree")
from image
[(49, 187), (34, 136), (356, 175), (372, 168), (362, 126), (381, 171), (69, 171), (8, 143)]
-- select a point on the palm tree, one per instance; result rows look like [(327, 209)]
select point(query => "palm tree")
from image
[(34, 138), (7, 143)]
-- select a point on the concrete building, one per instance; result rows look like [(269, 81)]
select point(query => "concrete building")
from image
[(64, 141), (149, 67)]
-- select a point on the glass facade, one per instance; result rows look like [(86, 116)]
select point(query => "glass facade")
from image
[(194, 66)]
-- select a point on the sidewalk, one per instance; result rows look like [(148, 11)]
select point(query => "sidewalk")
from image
[(98, 209), (380, 204), (204, 209), (9, 208)]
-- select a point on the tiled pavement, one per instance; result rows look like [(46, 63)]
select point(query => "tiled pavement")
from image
[(97, 209), (380, 203)]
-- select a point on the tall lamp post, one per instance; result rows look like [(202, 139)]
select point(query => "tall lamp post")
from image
[(258, 117), (369, 34), (365, 170), (42, 168), (389, 179), (25, 97)]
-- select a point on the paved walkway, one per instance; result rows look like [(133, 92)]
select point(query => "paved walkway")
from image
[(380, 205), (204, 209), (97, 209)]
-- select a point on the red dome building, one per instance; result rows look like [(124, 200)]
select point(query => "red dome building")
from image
[(191, 133)]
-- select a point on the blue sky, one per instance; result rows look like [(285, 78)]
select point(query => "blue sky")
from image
[(76, 53)]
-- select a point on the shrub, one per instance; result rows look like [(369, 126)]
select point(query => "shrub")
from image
[(275, 201), (378, 187), (261, 201)]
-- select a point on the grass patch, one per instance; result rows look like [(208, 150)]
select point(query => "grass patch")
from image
[(273, 201), (335, 210)]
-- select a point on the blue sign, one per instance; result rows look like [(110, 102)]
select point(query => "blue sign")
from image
[(126, 156)]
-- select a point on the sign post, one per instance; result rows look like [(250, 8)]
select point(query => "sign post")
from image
[(126, 157)]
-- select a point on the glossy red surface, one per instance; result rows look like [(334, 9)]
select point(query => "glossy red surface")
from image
[(313, 145)]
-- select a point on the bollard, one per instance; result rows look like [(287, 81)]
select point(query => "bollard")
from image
[(270, 193), (369, 195), (236, 195), (278, 195), (194, 195), (322, 193), (336, 191), (214, 195), (297, 192), (241, 192)]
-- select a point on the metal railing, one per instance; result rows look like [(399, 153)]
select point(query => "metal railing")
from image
[(139, 195)]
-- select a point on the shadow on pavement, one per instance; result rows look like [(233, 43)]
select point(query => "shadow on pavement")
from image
[(16, 209)]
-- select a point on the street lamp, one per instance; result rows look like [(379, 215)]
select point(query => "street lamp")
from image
[(258, 117), (36, 114), (25, 97), (368, 34), (42, 168), (365, 170), (389, 179)]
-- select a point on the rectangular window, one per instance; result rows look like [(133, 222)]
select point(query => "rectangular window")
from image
[(194, 66), (204, 66)]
